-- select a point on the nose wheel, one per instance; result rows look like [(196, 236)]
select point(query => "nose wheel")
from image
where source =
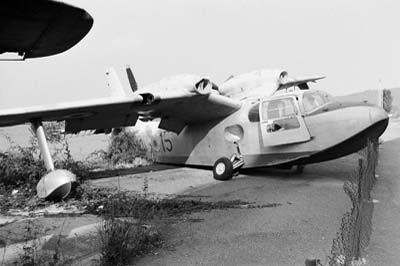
[(225, 168)]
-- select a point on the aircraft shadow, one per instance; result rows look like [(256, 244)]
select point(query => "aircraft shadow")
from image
[(129, 171)]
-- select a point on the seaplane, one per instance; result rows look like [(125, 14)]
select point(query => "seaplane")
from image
[(263, 118)]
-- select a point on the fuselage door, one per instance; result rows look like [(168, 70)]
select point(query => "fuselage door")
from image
[(281, 122)]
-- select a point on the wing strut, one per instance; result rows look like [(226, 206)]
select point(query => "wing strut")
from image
[(44, 148), (56, 184)]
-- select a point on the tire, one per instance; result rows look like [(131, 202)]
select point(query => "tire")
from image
[(223, 169)]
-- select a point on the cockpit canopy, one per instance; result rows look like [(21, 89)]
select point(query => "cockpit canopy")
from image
[(287, 106), (313, 100)]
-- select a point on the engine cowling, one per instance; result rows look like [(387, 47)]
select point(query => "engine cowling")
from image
[(205, 86), (149, 98)]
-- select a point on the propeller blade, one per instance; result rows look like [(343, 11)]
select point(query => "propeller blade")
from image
[(131, 78)]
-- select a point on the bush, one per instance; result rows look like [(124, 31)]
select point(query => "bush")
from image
[(124, 148), (20, 166)]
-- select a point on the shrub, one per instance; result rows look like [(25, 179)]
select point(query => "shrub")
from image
[(124, 148), (123, 240), (19, 166)]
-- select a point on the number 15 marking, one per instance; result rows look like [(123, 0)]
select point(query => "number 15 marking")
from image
[(166, 143)]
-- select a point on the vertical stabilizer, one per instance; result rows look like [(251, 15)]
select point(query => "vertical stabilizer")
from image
[(114, 84), (131, 78)]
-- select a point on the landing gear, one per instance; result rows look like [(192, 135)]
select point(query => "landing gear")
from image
[(56, 184), (223, 169)]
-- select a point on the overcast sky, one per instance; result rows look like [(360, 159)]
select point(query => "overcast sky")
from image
[(354, 43)]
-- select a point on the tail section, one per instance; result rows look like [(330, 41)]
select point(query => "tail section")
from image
[(131, 78), (114, 83)]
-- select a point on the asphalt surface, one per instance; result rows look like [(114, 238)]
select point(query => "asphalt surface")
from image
[(384, 247), (303, 226)]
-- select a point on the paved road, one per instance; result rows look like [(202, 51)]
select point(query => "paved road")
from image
[(384, 248), (302, 227)]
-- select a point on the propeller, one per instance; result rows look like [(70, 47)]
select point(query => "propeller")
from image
[(131, 78)]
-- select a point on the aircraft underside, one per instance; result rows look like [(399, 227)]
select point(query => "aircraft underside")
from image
[(291, 158)]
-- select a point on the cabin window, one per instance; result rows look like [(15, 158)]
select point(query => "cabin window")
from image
[(278, 108), (254, 113), (280, 114)]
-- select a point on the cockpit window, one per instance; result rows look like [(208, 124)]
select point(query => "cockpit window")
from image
[(314, 100)]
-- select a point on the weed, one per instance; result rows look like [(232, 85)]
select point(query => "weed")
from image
[(124, 239), (110, 202), (31, 253)]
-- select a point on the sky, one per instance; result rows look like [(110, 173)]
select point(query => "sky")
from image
[(355, 44)]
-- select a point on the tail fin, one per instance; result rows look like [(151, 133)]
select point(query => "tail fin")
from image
[(114, 84), (131, 78)]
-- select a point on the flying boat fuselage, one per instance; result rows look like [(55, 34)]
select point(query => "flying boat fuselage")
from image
[(288, 128)]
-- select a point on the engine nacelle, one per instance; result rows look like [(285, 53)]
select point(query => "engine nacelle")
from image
[(149, 98), (205, 86)]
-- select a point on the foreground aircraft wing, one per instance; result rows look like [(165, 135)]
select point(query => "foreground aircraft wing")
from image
[(175, 111), (37, 28)]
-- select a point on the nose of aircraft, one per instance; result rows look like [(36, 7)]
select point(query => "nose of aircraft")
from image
[(377, 114), (379, 121)]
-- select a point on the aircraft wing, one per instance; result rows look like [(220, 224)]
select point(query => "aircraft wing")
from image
[(175, 110), (41, 27)]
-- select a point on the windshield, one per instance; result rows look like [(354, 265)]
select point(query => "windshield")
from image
[(313, 100)]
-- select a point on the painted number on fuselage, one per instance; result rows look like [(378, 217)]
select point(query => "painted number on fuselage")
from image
[(166, 143)]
